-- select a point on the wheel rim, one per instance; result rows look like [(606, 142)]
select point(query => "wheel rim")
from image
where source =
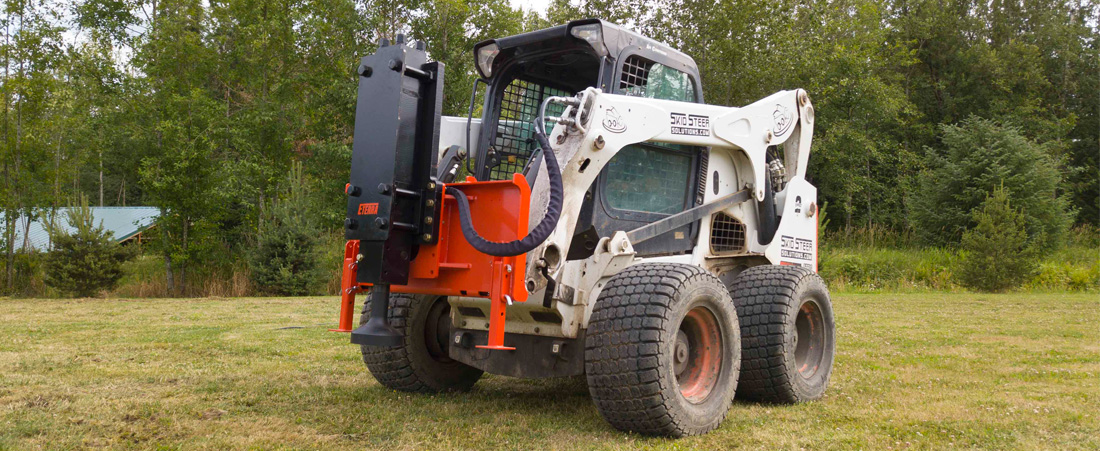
[(437, 330), (809, 346), (697, 354)]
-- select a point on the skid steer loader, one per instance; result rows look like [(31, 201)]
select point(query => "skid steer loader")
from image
[(598, 219)]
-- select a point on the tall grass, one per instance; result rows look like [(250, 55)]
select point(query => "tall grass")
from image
[(857, 259), (145, 278), (874, 237), (867, 268), (880, 259)]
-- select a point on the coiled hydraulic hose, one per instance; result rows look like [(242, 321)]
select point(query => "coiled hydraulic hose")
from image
[(553, 209)]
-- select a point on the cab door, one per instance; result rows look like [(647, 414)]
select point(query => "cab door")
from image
[(646, 182)]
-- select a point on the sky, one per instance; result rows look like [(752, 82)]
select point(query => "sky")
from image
[(537, 5)]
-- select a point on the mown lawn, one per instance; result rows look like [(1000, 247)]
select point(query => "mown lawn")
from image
[(913, 370)]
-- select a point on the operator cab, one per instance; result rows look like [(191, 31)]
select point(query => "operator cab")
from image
[(644, 182)]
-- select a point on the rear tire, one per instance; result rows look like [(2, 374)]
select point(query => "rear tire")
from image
[(662, 350), (421, 363), (787, 334)]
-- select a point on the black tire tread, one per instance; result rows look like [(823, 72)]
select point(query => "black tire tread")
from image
[(763, 295), (623, 342), (395, 368)]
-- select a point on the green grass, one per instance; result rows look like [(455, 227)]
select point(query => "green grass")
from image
[(923, 370)]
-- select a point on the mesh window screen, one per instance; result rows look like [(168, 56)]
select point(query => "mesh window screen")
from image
[(515, 134), (635, 76), (644, 78)]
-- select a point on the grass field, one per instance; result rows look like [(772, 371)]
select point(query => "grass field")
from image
[(912, 371)]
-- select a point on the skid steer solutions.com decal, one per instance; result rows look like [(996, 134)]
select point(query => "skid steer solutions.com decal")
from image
[(690, 124), (796, 251)]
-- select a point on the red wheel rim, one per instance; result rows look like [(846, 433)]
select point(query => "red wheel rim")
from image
[(697, 354), (809, 339)]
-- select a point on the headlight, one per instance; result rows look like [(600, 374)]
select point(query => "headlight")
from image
[(591, 33), (485, 57)]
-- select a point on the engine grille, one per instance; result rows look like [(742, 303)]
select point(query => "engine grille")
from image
[(515, 134), (727, 234)]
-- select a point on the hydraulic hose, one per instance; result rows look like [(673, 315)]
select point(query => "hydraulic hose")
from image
[(769, 220), (549, 221)]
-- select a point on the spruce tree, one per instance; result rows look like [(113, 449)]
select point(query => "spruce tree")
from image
[(997, 253), (87, 260)]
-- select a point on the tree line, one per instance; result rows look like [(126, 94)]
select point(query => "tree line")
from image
[(203, 108)]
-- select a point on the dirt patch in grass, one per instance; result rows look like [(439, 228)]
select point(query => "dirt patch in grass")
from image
[(924, 370)]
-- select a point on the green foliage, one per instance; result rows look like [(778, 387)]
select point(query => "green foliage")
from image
[(849, 261), (1061, 275), (443, 25), (997, 252), (874, 237), (286, 259), (883, 268), (978, 156), (199, 107), (326, 175), (30, 277), (87, 260)]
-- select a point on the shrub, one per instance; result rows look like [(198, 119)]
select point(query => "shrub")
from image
[(29, 279), (978, 156), (285, 260), (997, 253), (85, 260)]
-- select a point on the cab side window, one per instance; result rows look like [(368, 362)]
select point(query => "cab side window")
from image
[(644, 78), (648, 179), (651, 177)]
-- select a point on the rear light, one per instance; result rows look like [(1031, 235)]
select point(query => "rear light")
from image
[(485, 57), (591, 33)]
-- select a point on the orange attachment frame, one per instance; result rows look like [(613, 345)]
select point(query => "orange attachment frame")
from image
[(452, 267), (348, 287)]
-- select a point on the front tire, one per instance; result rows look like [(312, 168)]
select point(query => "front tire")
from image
[(787, 334), (662, 351), (420, 363)]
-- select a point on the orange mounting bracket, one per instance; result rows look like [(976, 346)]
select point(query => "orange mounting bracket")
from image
[(348, 287), (452, 267), (498, 309)]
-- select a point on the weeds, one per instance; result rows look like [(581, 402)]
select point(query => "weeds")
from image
[(863, 259), (849, 261)]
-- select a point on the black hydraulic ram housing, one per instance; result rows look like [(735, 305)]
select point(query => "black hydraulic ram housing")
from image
[(392, 190)]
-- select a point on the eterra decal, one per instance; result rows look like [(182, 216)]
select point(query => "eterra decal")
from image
[(368, 209)]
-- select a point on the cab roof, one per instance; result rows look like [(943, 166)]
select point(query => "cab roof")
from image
[(614, 39)]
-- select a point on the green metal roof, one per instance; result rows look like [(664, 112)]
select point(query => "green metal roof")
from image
[(125, 222)]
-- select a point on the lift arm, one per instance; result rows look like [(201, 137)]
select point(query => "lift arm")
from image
[(591, 134)]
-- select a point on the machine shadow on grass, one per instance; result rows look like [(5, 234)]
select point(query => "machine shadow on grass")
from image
[(516, 396)]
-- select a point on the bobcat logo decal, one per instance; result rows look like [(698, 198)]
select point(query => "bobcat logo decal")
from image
[(784, 118), (613, 122)]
